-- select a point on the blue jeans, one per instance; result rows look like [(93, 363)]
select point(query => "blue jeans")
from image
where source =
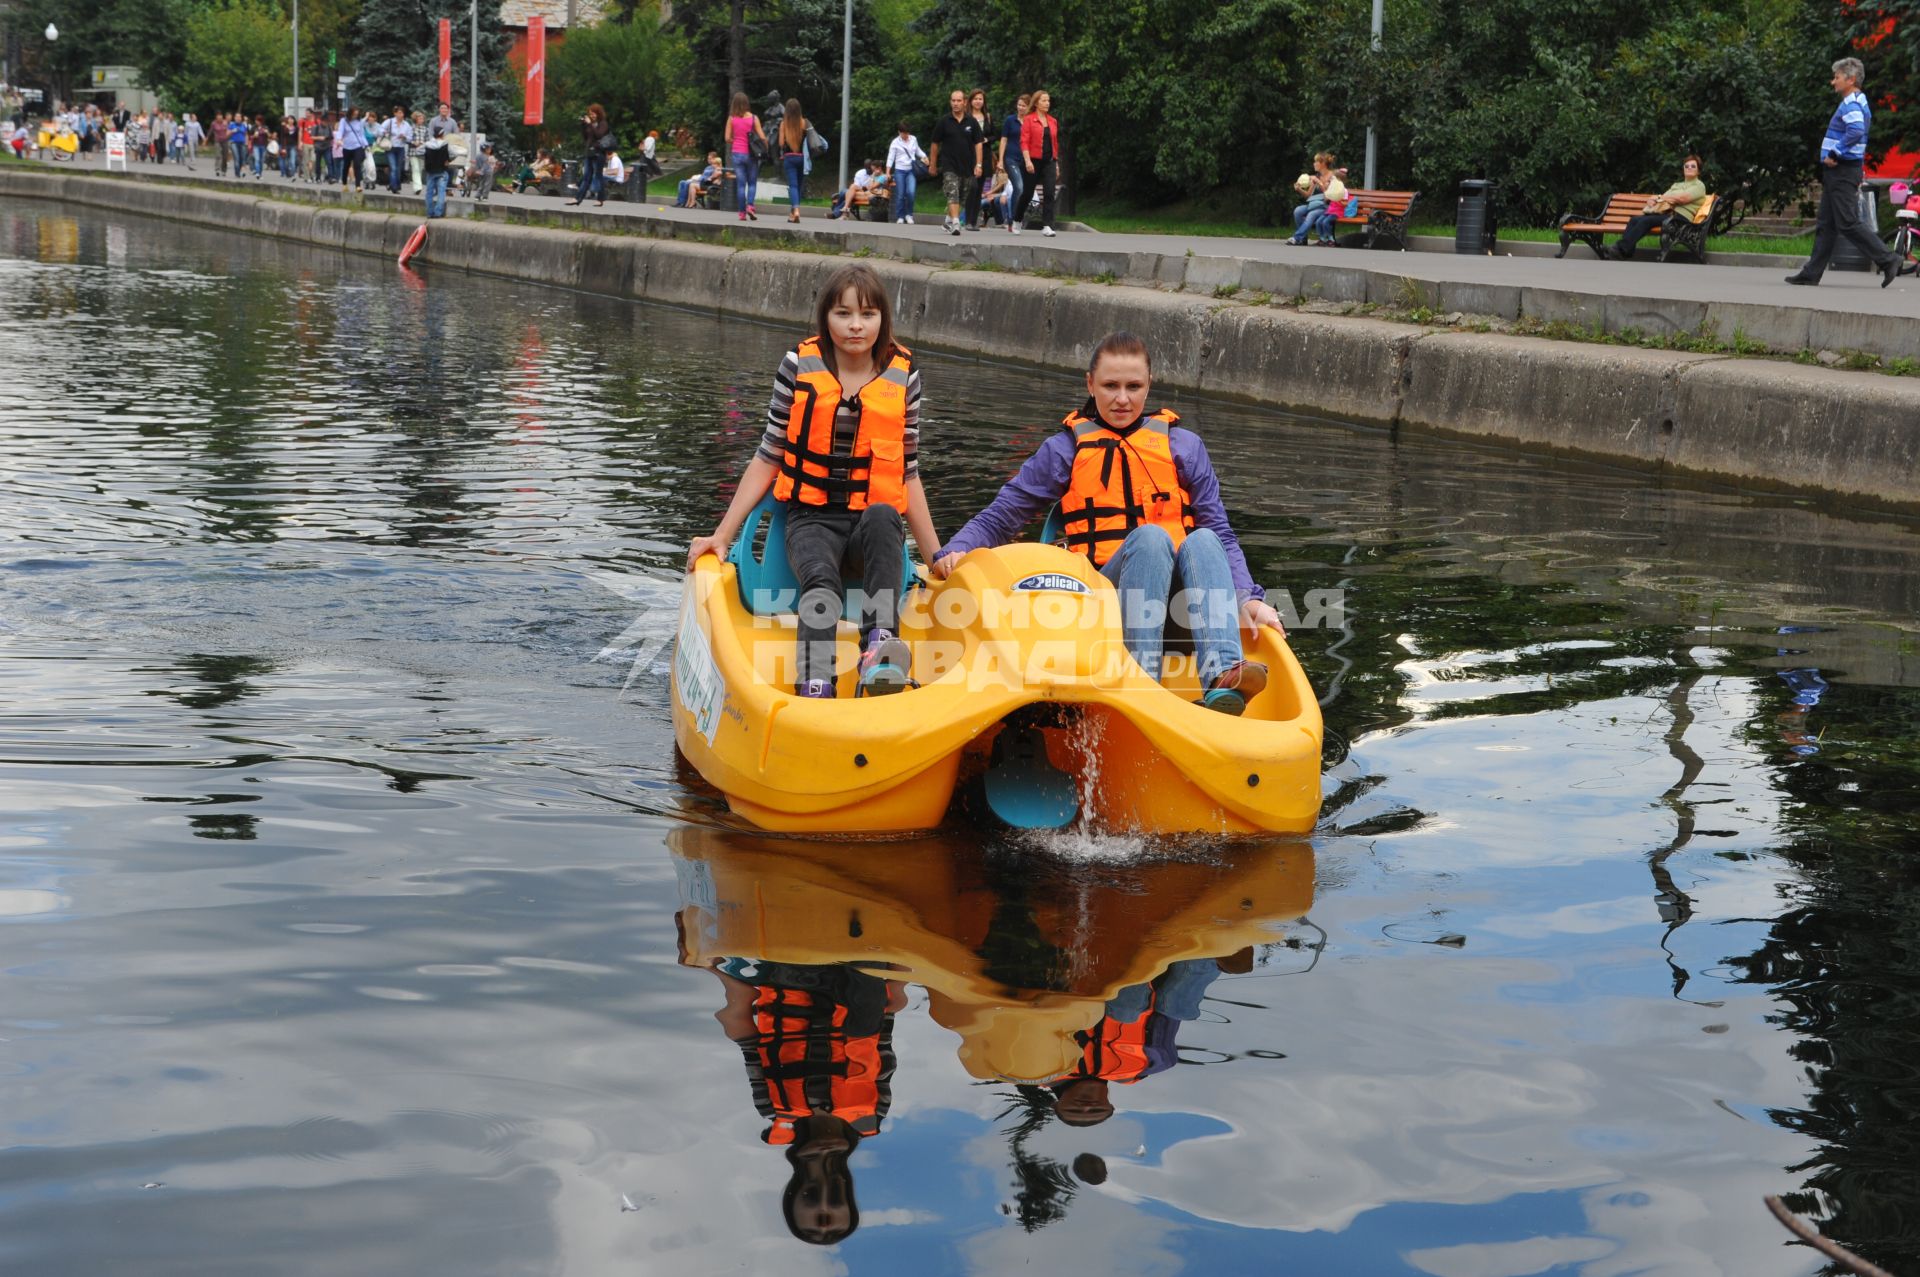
[(437, 194), (1016, 186), (593, 179), (796, 166), (680, 200), (746, 180), (1142, 570), (396, 169), (903, 192), (1323, 226), (239, 159)]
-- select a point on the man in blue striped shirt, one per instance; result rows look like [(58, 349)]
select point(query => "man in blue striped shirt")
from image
[(1843, 152)]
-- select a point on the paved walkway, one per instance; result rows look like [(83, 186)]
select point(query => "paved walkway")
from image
[(1673, 296)]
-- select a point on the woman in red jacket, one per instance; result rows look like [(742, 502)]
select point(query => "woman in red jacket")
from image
[(1040, 149)]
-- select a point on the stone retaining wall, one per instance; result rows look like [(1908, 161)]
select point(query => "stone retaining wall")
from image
[(1750, 422)]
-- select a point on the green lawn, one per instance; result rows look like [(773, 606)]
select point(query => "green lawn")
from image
[(1213, 220)]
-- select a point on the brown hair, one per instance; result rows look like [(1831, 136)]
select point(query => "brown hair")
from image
[(1023, 101), (596, 112), (793, 128), (869, 291), (1695, 157), (1120, 343), (740, 105), (1324, 157)]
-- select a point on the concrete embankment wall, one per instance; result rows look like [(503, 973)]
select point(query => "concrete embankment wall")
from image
[(1750, 422)]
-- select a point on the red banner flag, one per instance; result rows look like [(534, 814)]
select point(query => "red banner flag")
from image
[(536, 68), (446, 60)]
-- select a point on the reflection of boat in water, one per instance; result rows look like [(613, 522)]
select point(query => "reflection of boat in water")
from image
[(1025, 682), (1015, 959)]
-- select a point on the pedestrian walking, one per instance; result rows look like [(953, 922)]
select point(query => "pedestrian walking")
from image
[(747, 142), (956, 155), (350, 141), (1843, 153), (221, 150), (1040, 153), (195, 136), (596, 139), (416, 153), (397, 133), (1010, 161), (308, 155), (237, 140), (905, 160), (793, 155), (977, 108)]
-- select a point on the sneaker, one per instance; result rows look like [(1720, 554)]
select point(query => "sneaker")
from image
[(818, 689), (907, 220), (884, 665), (1047, 231), (1801, 279), (954, 229), (1015, 228), (1239, 683)]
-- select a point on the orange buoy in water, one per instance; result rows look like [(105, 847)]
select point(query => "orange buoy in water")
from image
[(414, 244)]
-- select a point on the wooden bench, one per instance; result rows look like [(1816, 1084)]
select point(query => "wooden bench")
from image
[(1677, 232), (1381, 215)]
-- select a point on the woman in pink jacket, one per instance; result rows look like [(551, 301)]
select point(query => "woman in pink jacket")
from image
[(1040, 152)]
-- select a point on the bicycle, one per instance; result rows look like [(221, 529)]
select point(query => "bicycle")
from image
[(1905, 237)]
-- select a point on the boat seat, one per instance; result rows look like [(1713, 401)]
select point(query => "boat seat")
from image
[(767, 584)]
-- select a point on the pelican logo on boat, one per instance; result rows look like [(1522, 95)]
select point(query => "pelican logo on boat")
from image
[(1050, 581)]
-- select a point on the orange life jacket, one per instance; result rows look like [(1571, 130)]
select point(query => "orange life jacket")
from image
[(812, 472), (1121, 480), (803, 1062)]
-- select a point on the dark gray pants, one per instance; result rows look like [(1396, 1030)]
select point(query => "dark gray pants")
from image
[(1840, 215), (822, 543)]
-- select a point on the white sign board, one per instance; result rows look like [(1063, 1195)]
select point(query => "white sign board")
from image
[(117, 150), (293, 106)]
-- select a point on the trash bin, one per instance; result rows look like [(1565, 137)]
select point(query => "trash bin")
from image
[(1474, 232), (1846, 256)]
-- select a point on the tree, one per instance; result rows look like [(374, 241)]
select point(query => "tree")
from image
[(789, 45), (626, 67), (239, 54), (396, 59), (1886, 36)]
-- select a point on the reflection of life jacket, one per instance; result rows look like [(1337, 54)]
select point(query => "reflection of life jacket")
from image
[(1127, 1050), (871, 469), (815, 1053), (1120, 480)]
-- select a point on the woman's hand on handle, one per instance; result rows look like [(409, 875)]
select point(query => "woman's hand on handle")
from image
[(1255, 613), (715, 544), (943, 566)]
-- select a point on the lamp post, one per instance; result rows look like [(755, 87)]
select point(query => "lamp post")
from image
[(52, 33), (1379, 21), (296, 59), (846, 90), (473, 79)]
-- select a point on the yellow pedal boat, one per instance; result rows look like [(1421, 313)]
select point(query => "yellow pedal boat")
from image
[(930, 913), (1021, 668)]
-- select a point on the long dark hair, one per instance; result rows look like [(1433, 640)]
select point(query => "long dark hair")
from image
[(869, 291), (793, 128)]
